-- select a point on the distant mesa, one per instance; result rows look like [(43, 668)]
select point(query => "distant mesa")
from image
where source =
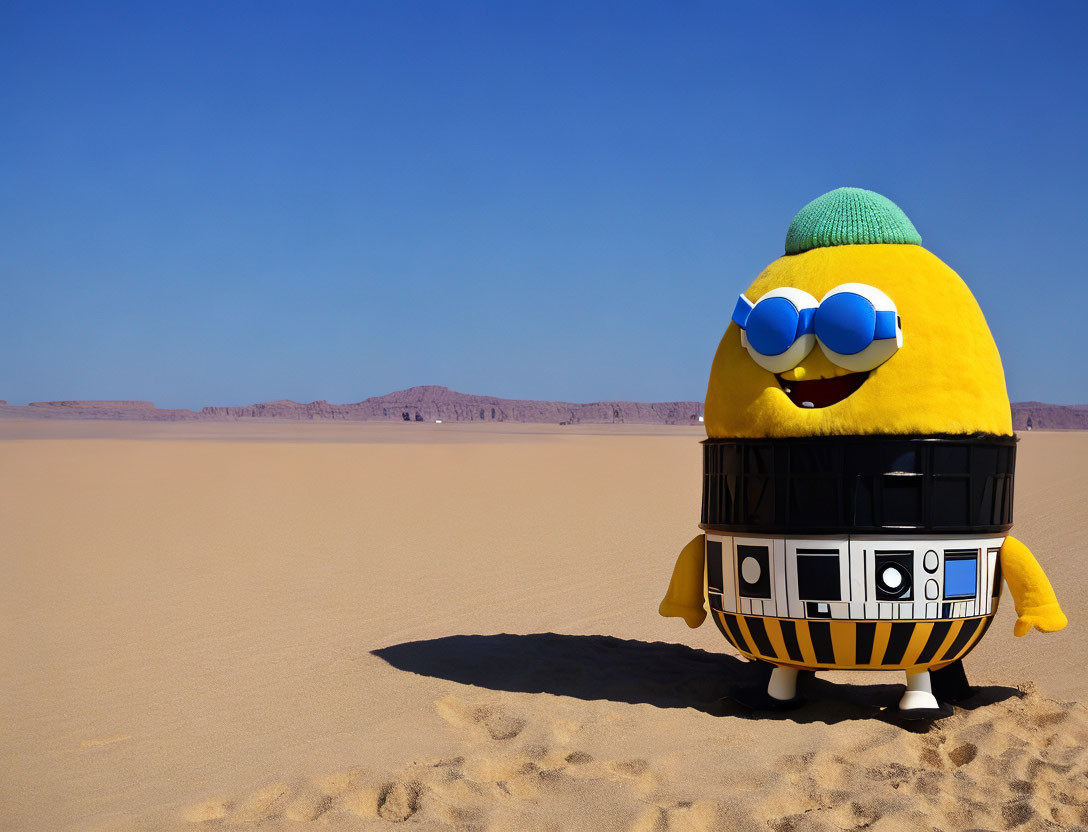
[(432, 403), (428, 403), (1042, 416)]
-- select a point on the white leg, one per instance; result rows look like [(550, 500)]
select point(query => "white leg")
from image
[(919, 692), (783, 684)]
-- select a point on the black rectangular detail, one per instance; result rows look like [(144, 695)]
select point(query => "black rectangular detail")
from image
[(894, 571), (818, 576), (820, 633), (902, 495), (946, 610), (714, 564), (715, 600), (812, 610), (759, 635), (863, 643), (789, 637), (962, 637), (935, 640), (897, 643), (760, 571)]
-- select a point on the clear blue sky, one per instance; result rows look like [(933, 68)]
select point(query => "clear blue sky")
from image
[(225, 203)]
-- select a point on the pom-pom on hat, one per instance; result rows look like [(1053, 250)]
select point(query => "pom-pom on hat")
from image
[(849, 216)]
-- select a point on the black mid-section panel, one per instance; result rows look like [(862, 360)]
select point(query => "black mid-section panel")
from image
[(818, 575), (826, 485), (714, 565)]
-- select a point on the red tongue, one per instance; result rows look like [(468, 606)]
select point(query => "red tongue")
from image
[(822, 392)]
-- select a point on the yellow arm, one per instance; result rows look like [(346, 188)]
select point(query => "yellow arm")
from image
[(1036, 604), (685, 596)]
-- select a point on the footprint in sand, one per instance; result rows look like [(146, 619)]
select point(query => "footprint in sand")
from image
[(494, 720), (399, 801)]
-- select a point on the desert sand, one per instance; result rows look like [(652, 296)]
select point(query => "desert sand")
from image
[(454, 627)]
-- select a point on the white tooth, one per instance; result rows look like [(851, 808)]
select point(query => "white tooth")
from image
[(787, 390), (808, 404)]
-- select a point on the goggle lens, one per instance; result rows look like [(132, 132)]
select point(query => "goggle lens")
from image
[(772, 326), (847, 323)]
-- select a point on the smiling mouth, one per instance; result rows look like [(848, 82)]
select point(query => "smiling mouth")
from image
[(821, 392)]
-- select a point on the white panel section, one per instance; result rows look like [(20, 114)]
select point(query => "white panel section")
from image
[(857, 610), (729, 575), (861, 560), (885, 608), (793, 604), (794, 607), (932, 610), (979, 575), (857, 574), (778, 586), (840, 611), (845, 587), (984, 581), (991, 558)]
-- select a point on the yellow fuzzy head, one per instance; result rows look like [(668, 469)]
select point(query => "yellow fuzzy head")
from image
[(946, 378)]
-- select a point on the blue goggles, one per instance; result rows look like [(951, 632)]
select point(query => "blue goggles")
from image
[(846, 322)]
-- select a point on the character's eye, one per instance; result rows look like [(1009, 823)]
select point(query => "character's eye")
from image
[(858, 327), (777, 331)]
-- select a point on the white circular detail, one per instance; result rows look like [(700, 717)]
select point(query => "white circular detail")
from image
[(749, 570), (931, 562), (932, 590), (891, 578)]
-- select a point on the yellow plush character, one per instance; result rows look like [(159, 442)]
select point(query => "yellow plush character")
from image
[(858, 466)]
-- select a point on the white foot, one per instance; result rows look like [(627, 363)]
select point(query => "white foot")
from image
[(919, 692), (783, 684)]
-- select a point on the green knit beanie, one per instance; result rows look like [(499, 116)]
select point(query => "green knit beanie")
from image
[(849, 216)]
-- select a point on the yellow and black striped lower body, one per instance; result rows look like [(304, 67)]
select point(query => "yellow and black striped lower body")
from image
[(852, 645)]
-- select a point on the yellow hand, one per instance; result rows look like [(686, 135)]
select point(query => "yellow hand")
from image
[(684, 598), (1036, 604), (1048, 618)]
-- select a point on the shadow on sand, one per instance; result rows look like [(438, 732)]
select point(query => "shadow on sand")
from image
[(638, 672)]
